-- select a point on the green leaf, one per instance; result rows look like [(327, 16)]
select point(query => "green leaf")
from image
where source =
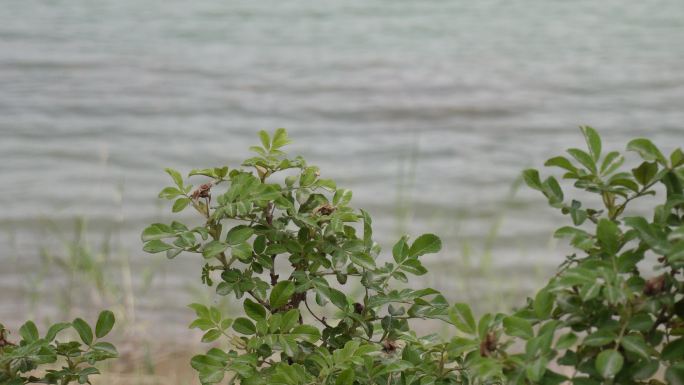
[(647, 150), (239, 234), (55, 329), (566, 341), (585, 159), (673, 351), (211, 335), (265, 139), (675, 374), (636, 344), (84, 330), (593, 142), (649, 234), (518, 327), (169, 193), (281, 293), (608, 233), (244, 326), (645, 173), (342, 197), (363, 259), (395, 366), (552, 190), (180, 204), (531, 178), (254, 310), (462, 317), (346, 377), (280, 139), (172, 253), (562, 162), (677, 158), (543, 304), (307, 333), (425, 244), (413, 266), (536, 369), (338, 298), (176, 176), (105, 323), (599, 338), (29, 332), (611, 162), (202, 324), (400, 251), (243, 252), (157, 231), (609, 363), (213, 249), (156, 246)]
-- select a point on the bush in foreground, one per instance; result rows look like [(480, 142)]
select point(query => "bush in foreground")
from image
[(285, 243)]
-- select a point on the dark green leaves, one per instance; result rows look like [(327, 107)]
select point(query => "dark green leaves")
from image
[(609, 363), (105, 323), (29, 331), (674, 351), (636, 344), (608, 234), (400, 251), (84, 330), (254, 310), (281, 293), (645, 173), (244, 326)]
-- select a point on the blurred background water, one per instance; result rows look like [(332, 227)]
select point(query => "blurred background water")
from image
[(427, 109)]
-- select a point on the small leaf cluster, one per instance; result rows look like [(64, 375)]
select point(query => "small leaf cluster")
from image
[(287, 245), (36, 359)]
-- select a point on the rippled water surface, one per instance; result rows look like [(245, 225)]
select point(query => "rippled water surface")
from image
[(427, 109)]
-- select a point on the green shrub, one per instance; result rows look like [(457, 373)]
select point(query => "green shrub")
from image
[(285, 242), (36, 360)]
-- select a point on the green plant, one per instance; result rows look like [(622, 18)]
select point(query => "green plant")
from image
[(33, 360), (284, 241), (616, 303)]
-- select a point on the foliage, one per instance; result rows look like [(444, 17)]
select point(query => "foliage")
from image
[(19, 362), (614, 312), (284, 241)]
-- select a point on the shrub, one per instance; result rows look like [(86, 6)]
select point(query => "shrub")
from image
[(18, 362), (284, 242)]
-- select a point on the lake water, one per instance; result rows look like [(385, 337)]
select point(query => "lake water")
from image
[(426, 109)]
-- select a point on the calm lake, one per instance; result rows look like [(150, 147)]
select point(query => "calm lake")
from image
[(427, 109)]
